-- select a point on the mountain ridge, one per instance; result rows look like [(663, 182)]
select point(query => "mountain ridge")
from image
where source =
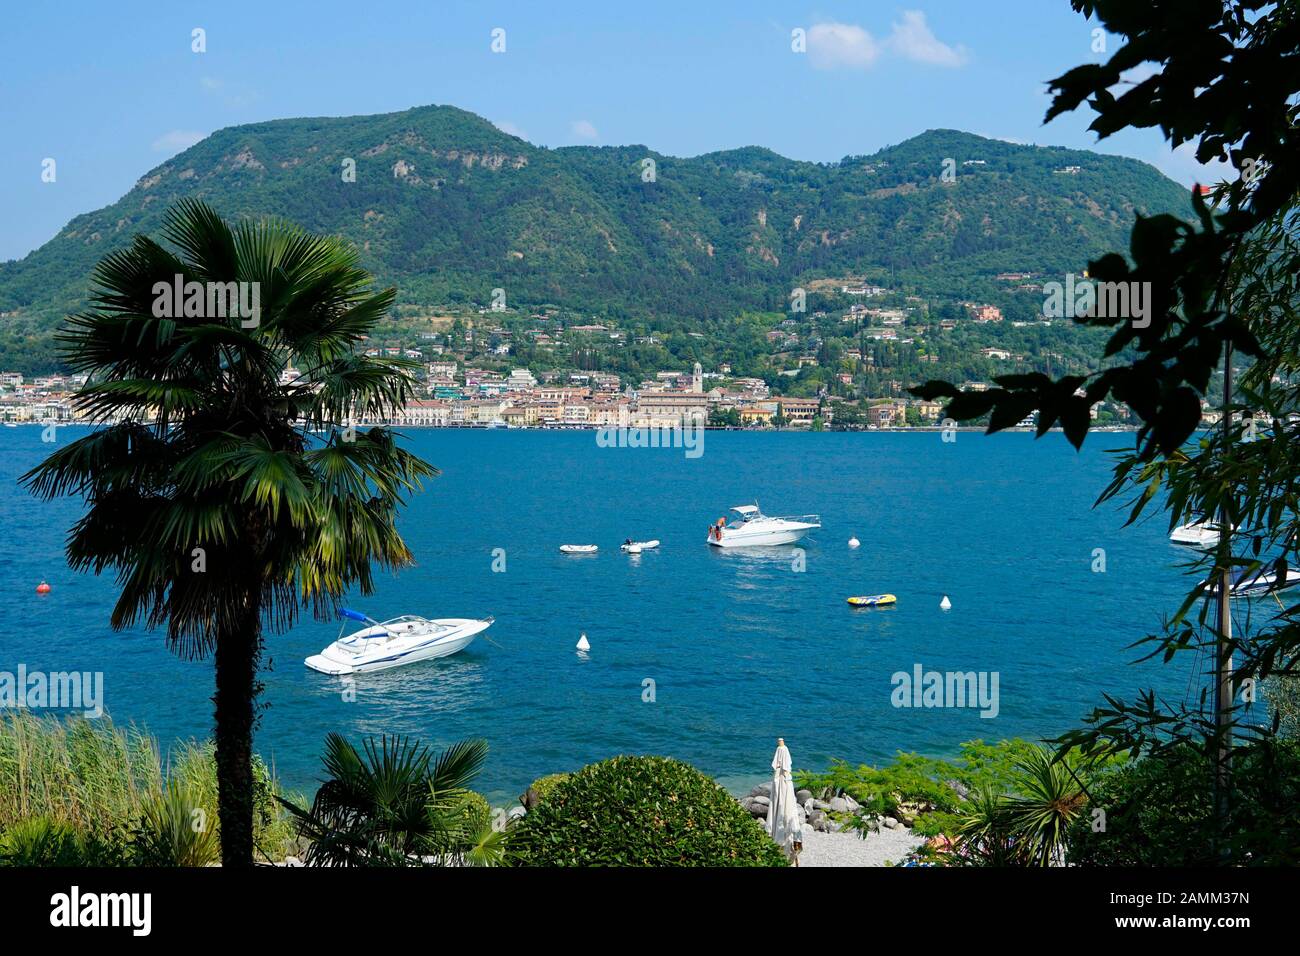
[(448, 207)]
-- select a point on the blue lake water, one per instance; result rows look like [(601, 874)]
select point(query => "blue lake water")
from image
[(741, 647)]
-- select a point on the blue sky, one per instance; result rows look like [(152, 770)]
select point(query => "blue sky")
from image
[(111, 90)]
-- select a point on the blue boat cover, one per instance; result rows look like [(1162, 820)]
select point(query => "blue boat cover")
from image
[(352, 615)]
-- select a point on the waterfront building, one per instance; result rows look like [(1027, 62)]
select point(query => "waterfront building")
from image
[(671, 409)]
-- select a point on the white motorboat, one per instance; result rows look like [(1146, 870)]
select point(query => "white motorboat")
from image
[(579, 548), (1263, 580), (757, 529), (403, 640), (636, 547), (1197, 534)]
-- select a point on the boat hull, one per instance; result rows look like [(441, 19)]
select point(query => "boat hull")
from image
[(1260, 584), (336, 659), (740, 538)]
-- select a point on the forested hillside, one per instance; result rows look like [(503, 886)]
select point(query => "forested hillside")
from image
[(447, 207)]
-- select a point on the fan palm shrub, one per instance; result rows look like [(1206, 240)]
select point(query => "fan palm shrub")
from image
[(225, 486), (393, 803), (41, 841)]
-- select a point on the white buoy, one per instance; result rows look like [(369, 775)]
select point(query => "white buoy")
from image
[(854, 542), (945, 603), (583, 643)]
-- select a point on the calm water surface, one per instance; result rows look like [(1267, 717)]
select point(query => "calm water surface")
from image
[(741, 647)]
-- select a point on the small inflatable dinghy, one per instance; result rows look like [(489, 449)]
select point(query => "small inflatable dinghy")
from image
[(873, 600)]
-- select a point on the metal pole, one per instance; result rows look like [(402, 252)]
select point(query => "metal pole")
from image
[(1224, 697)]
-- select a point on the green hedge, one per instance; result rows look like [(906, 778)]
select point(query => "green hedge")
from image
[(642, 811), (545, 786)]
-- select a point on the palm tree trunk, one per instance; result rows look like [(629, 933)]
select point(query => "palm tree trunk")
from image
[(237, 656)]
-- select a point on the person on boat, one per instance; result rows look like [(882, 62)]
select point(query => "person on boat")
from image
[(627, 543)]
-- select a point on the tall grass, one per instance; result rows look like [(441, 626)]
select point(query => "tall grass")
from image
[(93, 776), (111, 783)]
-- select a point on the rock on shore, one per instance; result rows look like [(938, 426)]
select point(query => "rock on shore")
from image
[(829, 842)]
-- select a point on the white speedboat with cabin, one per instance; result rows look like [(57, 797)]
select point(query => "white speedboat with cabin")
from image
[(755, 529), (1197, 534), (403, 640), (1261, 581)]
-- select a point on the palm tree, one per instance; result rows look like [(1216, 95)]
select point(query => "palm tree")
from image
[(394, 805), (219, 486), (1050, 798)]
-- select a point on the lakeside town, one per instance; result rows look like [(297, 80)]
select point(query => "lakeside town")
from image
[(468, 397), (842, 368), (455, 391)]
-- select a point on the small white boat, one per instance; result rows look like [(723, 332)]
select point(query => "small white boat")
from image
[(403, 640), (757, 529), (636, 547), (1197, 534), (579, 548)]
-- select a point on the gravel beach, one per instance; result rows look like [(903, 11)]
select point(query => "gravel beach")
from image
[(849, 849)]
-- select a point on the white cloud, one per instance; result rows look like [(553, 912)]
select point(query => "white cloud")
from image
[(913, 39), (835, 45), (175, 140), (508, 127), (584, 129)]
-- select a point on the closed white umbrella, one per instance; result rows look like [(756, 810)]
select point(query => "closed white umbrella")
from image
[(783, 812)]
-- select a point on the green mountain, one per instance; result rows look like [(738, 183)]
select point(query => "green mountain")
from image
[(447, 207)]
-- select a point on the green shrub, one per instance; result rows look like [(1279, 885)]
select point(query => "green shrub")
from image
[(923, 783), (175, 830), (545, 786), (1160, 811), (641, 811)]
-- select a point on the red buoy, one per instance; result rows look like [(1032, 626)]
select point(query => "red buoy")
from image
[(42, 588)]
